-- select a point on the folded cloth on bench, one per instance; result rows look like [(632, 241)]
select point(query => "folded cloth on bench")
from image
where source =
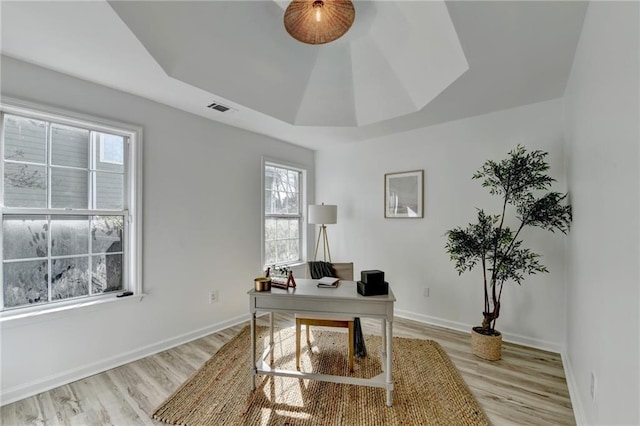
[(319, 269)]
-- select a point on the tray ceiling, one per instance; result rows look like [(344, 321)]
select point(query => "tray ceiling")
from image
[(403, 65)]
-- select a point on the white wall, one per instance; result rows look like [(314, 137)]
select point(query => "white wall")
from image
[(201, 224), (411, 251), (602, 119)]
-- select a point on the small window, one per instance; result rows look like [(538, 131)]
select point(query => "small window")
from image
[(67, 203), (111, 149), (283, 198)]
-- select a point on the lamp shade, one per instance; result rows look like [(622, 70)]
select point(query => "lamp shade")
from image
[(318, 21), (323, 214)]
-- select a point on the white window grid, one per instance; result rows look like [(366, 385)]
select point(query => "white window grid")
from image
[(299, 215), (131, 239), (50, 257)]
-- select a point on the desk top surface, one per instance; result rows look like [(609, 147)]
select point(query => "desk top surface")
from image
[(346, 290)]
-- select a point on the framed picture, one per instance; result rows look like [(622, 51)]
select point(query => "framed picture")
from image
[(403, 194)]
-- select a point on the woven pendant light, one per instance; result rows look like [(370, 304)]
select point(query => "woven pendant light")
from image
[(318, 21)]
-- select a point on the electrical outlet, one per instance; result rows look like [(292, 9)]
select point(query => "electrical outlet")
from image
[(593, 387), (213, 296), (426, 292)]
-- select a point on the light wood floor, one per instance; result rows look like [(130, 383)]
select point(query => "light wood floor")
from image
[(527, 386)]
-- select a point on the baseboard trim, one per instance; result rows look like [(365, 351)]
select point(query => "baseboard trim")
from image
[(576, 402), (466, 328), (35, 387)]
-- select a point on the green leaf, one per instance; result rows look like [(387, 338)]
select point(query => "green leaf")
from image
[(521, 180)]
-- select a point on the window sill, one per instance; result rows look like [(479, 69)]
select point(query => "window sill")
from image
[(297, 265), (288, 265), (46, 313)]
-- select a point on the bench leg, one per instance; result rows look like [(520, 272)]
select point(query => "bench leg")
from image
[(297, 344)]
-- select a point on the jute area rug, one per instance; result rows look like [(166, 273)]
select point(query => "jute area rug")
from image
[(428, 389)]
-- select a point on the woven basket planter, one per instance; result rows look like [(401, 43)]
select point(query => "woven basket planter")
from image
[(486, 347)]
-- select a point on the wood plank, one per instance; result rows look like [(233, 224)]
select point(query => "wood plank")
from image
[(527, 387)]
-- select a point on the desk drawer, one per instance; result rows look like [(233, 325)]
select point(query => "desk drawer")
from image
[(348, 307)]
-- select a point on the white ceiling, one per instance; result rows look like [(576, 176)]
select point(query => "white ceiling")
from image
[(403, 65)]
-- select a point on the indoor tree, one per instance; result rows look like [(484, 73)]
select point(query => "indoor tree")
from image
[(521, 181)]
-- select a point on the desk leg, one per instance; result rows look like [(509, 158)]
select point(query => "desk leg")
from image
[(271, 344), (253, 351), (389, 363), (383, 353)]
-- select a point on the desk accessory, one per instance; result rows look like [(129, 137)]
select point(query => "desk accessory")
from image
[(328, 282), (262, 284), (372, 283), (281, 281)]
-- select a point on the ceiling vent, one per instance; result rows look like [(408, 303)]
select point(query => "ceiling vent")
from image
[(219, 107)]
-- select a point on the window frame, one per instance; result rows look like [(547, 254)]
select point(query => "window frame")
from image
[(132, 196), (303, 190)]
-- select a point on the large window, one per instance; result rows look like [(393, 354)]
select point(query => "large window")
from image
[(283, 201), (69, 227)]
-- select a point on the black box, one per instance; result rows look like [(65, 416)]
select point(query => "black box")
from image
[(373, 289), (372, 283), (373, 277)]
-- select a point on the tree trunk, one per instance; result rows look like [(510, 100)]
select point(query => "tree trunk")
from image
[(490, 317)]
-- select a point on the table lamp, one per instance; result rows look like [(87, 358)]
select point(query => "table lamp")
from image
[(323, 215)]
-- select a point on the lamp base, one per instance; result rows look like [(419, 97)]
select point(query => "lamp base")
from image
[(325, 244)]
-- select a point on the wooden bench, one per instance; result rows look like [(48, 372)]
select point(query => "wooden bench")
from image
[(344, 271)]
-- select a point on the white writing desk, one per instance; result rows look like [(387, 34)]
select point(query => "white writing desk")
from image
[(307, 298)]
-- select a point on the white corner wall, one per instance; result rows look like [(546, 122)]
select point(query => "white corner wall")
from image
[(603, 280), (411, 251), (201, 225)]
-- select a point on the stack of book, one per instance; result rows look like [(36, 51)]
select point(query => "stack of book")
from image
[(328, 282)]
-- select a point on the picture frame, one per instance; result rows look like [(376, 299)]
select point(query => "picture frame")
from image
[(403, 195)]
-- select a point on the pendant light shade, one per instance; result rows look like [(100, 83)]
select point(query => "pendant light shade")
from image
[(318, 21)]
